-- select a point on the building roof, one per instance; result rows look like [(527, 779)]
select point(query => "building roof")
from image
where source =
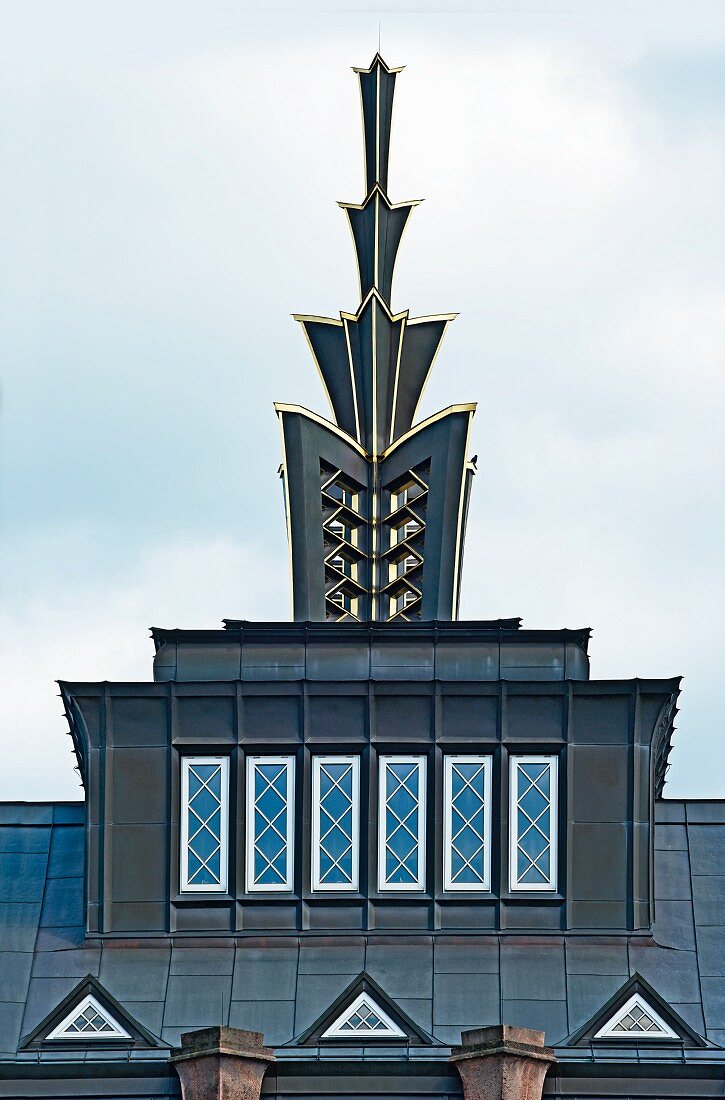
[(279, 985)]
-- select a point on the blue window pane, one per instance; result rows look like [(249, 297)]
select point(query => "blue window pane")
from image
[(533, 823), (270, 824), (402, 791), (204, 824), (467, 823), (335, 823)]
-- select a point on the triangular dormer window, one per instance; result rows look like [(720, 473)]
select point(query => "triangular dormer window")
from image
[(636, 1014), (364, 1014), (89, 1016), (636, 1019), (363, 1019), (89, 1020)]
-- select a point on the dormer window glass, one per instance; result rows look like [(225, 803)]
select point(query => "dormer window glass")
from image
[(204, 823), (401, 823), (467, 823), (636, 1020), (335, 822), (270, 823), (88, 1020), (532, 823)]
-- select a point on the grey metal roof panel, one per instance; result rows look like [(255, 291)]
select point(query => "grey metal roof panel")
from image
[(586, 993), (268, 973), (330, 957), (196, 1000), (466, 1000), (708, 896), (276, 1019), (135, 972), (533, 971), (547, 1016), (675, 924), (670, 811), (15, 967), (707, 844), (670, 838), (22, 876), (586, 957), (711, 951), (672, 876), (713, 1002), (19, 925)]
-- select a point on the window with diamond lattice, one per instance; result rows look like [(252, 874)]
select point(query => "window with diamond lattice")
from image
[(363, 1019), (335, 822), (270, 822), (636, 1020), (401, 823), (88, 1020), (204, 816), (467, 823), (532, 825)]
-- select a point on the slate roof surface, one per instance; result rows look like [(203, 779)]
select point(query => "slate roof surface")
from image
[(280, 985)]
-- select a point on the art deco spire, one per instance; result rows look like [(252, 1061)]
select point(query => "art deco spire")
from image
[(375, 508)]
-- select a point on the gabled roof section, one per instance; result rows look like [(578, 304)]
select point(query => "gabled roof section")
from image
[(89, 1016), (636, 1014), (363, 1014)]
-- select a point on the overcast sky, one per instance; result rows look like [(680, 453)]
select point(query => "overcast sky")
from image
[(167, 198)]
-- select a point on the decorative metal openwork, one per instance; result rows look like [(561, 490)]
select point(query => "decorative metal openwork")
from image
[(88, 1020), (401, 825), (335, 822), (270, 822), (363, 1019), (402, 560), (467, 823), (533, 823), (345, 594), (204, 809), (635, 1020)]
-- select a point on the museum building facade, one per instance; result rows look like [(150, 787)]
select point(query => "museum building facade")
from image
[(375, 851)]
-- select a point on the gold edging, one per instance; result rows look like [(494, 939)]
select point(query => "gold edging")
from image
[(469, 407), (281, 407), (459, 528)]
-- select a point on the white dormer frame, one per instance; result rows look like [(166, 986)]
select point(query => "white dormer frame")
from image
[(611, 1029), (89, 1001), (392, 1031)]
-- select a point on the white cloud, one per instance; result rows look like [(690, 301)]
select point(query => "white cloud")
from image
[(99, 631)]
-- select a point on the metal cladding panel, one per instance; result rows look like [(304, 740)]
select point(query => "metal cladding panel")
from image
[(421, 341), (307, 442), (328, 344), (442, 443), (377, 229), (377, 87)]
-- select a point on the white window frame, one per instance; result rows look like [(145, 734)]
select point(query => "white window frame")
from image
[(89, 1001), (278, 887), (317, 763), (609, 1030), (194, 887), (448, 883), (514, 762), (335, 1030), (383, 763)]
